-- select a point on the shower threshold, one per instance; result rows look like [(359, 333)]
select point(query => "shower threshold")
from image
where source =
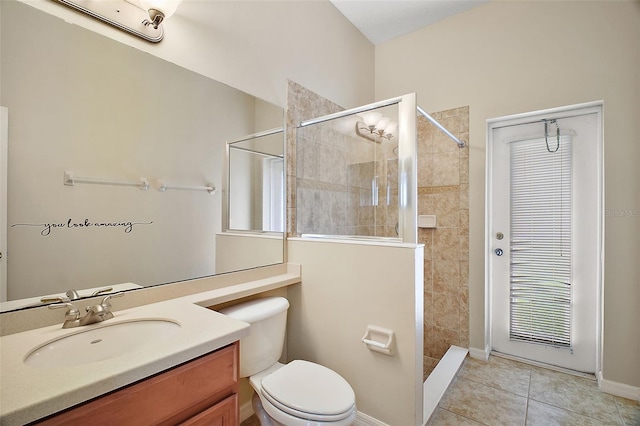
[(439, 380)]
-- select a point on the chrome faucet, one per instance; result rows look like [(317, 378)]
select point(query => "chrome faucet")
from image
[(71, 317), (96, 313)]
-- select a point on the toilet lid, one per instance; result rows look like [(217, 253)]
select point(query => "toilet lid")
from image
[(305, 388)]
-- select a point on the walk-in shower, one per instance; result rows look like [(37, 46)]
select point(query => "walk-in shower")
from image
[(364, 175), (356, 172)]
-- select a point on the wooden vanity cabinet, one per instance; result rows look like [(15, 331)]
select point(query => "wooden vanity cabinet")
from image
[(203, 391)]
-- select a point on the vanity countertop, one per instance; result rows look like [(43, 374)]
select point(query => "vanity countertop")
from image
[(28, 393)]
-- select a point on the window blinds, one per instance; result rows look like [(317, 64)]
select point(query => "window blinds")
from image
[(540, 276)]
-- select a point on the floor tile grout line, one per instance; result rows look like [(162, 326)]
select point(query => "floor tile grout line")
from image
[(526, 410), (479, 381), (619, 418), (529, 398), (464, 417), (572, 411)]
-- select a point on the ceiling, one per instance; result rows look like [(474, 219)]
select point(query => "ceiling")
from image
[(384, 20)]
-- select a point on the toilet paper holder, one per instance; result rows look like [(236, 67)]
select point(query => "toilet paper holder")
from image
[(379, 339)]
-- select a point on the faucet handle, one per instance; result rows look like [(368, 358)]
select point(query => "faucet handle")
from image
[(72, 313), (102, 290), (59, 299), (72, 294), (106, 301)]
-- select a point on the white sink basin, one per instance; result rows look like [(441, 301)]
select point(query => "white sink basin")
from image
[(102, 342)]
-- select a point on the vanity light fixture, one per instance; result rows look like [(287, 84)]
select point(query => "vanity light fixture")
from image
[(375, 127), (141, 18), (159, 10)]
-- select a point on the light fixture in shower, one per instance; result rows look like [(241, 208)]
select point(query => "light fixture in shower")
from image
[(375, 127), (141, 18)]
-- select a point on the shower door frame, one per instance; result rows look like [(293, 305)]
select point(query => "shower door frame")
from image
[(407, 161)]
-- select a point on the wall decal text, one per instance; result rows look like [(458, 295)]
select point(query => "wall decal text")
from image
[(71, 224)]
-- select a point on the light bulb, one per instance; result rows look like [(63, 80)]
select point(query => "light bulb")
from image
[(165, 7), (391, 128), (382, 123), (371, 118)]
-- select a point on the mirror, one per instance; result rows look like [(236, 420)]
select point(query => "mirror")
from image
[(255, 183), (253, 205), (114, 155)]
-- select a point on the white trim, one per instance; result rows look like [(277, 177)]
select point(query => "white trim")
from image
[(516, 119), (619, 389), (481, 354), (246, 411), (364, 420)]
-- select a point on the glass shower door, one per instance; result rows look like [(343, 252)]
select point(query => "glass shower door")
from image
[(355, 173)]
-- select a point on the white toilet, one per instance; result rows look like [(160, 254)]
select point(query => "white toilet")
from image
[(300, 393)]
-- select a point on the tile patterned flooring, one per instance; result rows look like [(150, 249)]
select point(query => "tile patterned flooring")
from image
[(510, 393), (506, 392)]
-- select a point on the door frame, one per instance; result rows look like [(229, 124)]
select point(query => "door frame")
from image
[(598, 107)]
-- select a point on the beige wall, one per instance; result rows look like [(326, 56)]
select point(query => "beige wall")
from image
[(504, 58), (235, 251), (347, 286), (256, 45)]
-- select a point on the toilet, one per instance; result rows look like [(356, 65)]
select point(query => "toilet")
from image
[(300, 393)]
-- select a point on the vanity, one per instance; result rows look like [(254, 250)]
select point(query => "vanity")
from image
[(200, 392), (169, 362)]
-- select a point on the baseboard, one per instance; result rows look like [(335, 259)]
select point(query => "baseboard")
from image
[(364, 420), (482, 354), (246, 411), (619, 389)]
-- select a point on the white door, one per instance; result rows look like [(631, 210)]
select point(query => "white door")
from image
[(4, 137), (544, 235)]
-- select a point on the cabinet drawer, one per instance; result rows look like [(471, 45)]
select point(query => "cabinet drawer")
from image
[(224, 413), (167, 398)]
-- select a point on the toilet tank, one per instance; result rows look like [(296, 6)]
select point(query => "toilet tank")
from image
[(262, 348)]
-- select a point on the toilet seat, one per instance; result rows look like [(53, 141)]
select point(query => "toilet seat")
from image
[(309, 391)]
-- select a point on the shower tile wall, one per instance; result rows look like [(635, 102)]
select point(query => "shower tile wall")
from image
[(333, 191), (443, 190), (302, 104)]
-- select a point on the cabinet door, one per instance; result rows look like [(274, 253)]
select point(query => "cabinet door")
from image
[(224, 413), (165, 399)]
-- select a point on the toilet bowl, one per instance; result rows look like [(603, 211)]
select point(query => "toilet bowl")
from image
[(300, 393)]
